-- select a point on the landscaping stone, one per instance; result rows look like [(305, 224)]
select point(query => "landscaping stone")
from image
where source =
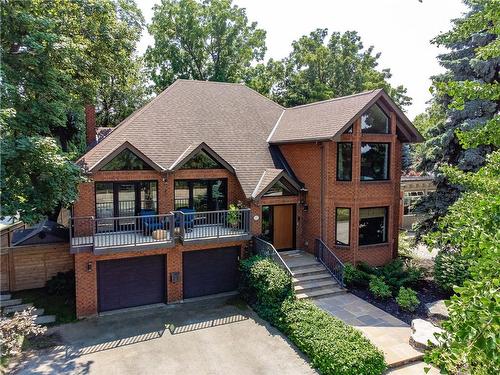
[(437, 309), (423, 334)]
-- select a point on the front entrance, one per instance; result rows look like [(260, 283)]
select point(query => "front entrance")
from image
[(278, 225)]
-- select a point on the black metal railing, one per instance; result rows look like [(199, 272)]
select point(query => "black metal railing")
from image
[(333, 264), (109, 232), (213, 224), (266, 249)]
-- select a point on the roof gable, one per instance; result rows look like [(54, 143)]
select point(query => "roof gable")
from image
[(269, 178), (192, 152)]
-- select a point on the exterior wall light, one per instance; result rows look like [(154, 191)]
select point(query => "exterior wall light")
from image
[(89, 267)]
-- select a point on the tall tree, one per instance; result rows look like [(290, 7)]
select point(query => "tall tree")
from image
[(212, 40), (470, 65), (471, 341), (319, 68), (56, 57)]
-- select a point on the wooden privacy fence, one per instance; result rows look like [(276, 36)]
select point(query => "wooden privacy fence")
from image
[(29, 267)]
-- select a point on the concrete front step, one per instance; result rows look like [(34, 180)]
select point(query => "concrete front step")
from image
[(315, 285), (321, 293), (311, 270), (316, 277), (5, 297), (10, 302), (45, 319), (305, 265), (16, 308)]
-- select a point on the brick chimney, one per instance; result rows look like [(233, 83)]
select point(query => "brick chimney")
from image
[(90, 124)]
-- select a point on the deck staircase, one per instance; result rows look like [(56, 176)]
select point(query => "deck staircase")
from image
[(310, 278)]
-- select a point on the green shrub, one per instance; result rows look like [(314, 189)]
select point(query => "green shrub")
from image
[(407, 299), (379, 288), (354, 276), (62, 284), (333, 347), (264, 285), (396, 274), (450, 269)]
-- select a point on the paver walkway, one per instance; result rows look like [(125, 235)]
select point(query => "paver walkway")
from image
[(389, 334)]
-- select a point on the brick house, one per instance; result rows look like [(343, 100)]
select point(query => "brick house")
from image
[(156, 220)]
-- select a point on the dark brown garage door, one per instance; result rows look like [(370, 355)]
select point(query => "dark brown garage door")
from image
[(130, 282), (210, 271)]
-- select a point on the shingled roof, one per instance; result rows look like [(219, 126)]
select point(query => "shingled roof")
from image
[(234, 122), (327, 119)]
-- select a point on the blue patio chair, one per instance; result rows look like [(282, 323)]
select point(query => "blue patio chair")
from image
[(188, 218), (150, 222)]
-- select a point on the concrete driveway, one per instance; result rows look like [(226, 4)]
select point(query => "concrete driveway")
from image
[(210, 337)]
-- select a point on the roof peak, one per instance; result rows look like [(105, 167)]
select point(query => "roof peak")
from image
[(335, 99)]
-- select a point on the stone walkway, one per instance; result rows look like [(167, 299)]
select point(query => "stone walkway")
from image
[(389, 334)]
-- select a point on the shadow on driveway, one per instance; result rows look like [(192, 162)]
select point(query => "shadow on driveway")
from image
[(208, 337)]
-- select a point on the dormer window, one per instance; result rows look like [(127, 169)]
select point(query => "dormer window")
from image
[(375, 121), (126, 161), (202, 161)]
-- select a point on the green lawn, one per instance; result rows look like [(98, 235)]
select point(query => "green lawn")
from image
[(63, 307)]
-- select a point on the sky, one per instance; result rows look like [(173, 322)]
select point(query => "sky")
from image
[(400, 30)]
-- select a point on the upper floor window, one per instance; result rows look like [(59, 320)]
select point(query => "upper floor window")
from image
[(126, 161), (281, 188), (375, 121), (374, 161), (342, 225), (202, 161), (372, 225), (344, 161)]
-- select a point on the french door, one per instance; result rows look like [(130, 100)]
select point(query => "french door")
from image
[(124, 200)]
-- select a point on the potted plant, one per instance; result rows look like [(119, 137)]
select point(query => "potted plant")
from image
[(233, 215)]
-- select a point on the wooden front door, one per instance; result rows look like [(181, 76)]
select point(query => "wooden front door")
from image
[(283, 227)]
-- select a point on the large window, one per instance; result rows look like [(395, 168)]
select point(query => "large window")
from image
[(375, 121), (342, 226), (372, 225), (126, 161), (201, 195), (344, 161), (374, 161)]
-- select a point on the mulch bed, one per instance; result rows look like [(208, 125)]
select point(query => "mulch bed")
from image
[(427, 292)]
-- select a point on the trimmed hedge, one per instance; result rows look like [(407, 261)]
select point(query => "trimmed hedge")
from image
[(333, 347)]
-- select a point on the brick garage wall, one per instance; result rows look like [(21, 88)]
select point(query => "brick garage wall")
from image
[(86, 281), (29, 267)]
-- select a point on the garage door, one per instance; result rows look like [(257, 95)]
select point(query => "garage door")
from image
[(210, 271), (130, 282)]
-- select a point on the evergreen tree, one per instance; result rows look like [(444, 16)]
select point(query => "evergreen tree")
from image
[(468, 63)]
